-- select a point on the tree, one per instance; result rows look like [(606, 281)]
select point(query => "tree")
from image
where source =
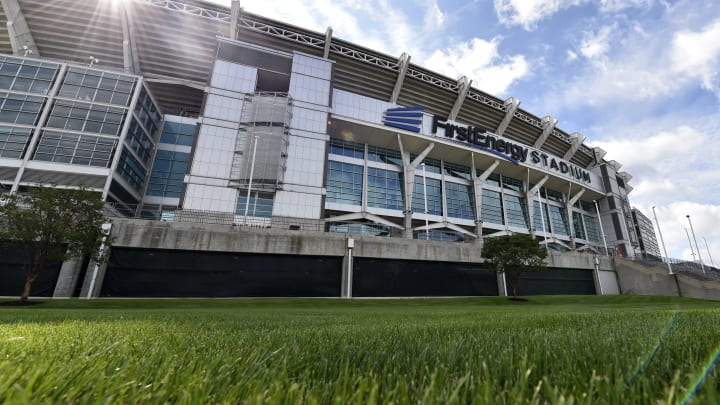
[(513, 255), (53, 225)]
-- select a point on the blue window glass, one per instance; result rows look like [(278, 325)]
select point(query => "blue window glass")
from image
[(593, 228), (492, 207), (177, 133), (458, 171), (260, 204), (438, 234), (516, 211), (168, 172), (344, 183), (378, 154), (509, 183), (346, 148), (431, 165), (460, 200), (434, 196), (578, 225), (13, 141), (385, 189), (537, 218), (360, 228), (131, 170), (493, 180), (558, 220)]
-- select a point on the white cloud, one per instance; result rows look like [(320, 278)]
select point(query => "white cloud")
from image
[(480, 61), (675, 229), (697, 54), (608, 6), (434, 17), (596, 44), (571, 56), (527, 13)]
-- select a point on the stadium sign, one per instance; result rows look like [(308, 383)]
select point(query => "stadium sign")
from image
[(516, 153)]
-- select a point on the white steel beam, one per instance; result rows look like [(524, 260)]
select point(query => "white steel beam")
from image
[(328, 41), (548, 124), (21, 39), (511, 105), (234, 15), (463, 87), (403, 63), (576, 139)]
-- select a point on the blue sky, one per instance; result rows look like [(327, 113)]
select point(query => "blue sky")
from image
[(639, 78)]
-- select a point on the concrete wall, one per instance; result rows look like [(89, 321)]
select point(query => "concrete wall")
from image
[(639, 278), (615, 275)]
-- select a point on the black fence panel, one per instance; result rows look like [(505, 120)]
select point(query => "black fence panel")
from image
[(12, 273), (408, 278), (556, 282), (177, 273)]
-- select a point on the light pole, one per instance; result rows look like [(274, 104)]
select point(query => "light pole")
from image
[(252, 171), (708, 250), (702, 266), (662, 241), (692, 252), (427, 231), (602, 231)]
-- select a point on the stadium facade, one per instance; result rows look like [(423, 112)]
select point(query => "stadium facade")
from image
[(185, 111)]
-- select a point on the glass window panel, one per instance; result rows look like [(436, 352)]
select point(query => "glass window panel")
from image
[(68, 91), (460, 200), (8, 116), (384, 189), (46, 74), (433, 195), (120, 98), (73, 78), (492, 207), (26, 118), (558, 219), (103, 96), (27, 71), (516, 211), (5, 82), (9, 69), (22, 84), (107, 83), (85, 93), (91, 80)]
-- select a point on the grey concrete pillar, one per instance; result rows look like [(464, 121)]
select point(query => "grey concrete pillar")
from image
[(68, 278), (502, 286), (408, 233), (94, 277), (347, 270)]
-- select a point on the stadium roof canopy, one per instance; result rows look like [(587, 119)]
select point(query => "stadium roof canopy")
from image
[(172, 44)]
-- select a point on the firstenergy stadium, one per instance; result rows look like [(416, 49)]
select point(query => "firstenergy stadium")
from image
[(244, 156)]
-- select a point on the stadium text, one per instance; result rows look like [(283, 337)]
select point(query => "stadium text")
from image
[(481, 138)]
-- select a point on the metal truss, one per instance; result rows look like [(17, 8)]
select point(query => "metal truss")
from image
[(197, 11), (349, 52), (282, 33), (530, 120), (434, 80), (389, 64), (473, 95)]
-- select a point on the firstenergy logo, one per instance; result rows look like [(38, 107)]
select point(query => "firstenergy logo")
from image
[(407, 118)]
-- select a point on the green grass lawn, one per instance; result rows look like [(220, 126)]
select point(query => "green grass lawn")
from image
[(586, 350)]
